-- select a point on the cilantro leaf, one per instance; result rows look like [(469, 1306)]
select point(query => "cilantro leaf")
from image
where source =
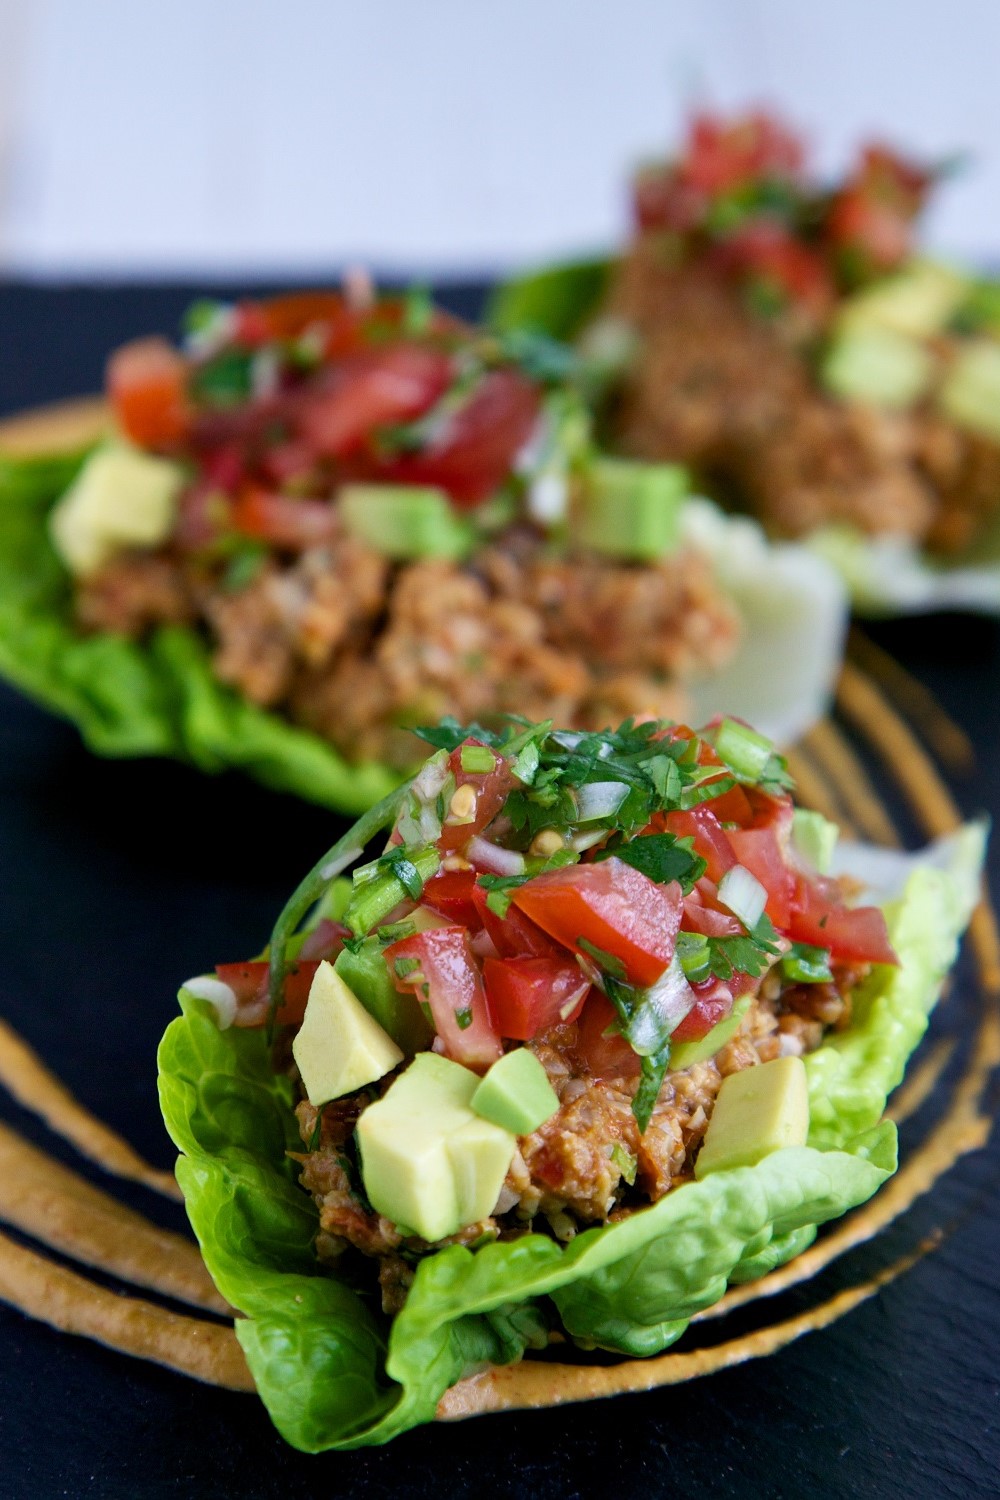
[(660, 856)]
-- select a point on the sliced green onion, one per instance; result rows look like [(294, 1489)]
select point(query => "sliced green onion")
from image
[(599, 799), (527, 762), (477, 759), (803, 964), (373, 900), (694, 954), (405, 966), (493, 857), (744, 750), (744, 895)]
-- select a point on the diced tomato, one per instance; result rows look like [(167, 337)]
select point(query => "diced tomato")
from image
[(722, 154), (448, 978), (373, 389), (818, 916), (711, 841), (767, 253), (490, 788), (289, 316), (714, 1003), (203, 515), (708, 920), (283, 521), (224, 467), (147, 384), (605, 1056), (476, 448), (249, 983), (528, 995), (757, 849), (287, 463), (515, 935), (450, 892), (612, 906)]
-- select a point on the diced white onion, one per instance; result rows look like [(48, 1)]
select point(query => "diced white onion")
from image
[(670, 999), (487, 856), (581, 841), (743, 894), (548, 497), (219, 996), (599, 799)]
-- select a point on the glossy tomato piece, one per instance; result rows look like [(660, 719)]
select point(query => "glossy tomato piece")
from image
[(854, 934), (472, 811), (758, 850), (714, 1003), (447, 976), (249, 983), (700, 916), (711, 841), (450, 892), (476, 448), (722, 155), (528, 995), (378, 388), (605, 1051), (515, 935), (282, 521), (147, 384), (612, 906)]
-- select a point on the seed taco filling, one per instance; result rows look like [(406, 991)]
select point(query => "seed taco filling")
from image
[(594, 1031)]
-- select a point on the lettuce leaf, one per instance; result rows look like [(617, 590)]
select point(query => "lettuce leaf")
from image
[(155, 698), (556, 300), (334, 1372)]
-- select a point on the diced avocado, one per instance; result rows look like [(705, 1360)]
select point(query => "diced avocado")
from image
[(121, 497), (815, 838), (516, 1093), (405, 521), (339, 1047), (686, 1054), (428, 1161), (877, 365), (631, 510), (918, 302), (970, 393), (757, 1111), (367, 974)]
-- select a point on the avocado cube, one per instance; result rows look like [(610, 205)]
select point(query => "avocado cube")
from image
[(405, 521), (686, 1054), (814, 838), (760, 1110), (398, 1012), (516, 1093), (918, 302), (428, 1162), (339, 1046), (877, 365), (121, 497), (631, 510), (970, 393)]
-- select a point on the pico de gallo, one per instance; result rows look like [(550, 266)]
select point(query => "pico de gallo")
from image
[(374, 515), (639, 908)]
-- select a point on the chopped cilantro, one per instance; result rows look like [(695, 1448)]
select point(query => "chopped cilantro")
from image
[(660, 856)]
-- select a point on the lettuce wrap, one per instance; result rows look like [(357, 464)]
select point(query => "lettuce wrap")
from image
[(335, 1373), (885, 576), (160, 696)]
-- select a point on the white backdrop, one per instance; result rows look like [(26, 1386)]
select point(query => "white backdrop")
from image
[(144, 137)]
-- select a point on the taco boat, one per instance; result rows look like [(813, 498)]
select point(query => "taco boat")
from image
[(785, 337), (606, 1026), (327, 521)]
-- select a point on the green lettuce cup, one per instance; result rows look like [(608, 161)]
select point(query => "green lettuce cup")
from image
[(333, 1369)]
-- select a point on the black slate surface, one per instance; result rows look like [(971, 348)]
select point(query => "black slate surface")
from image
[(119, 879)]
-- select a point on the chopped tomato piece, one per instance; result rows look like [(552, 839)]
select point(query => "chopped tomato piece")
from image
[(249, 983), (515, 935), (818, 916), (370, 390), (710, 839), (448, 978), (203, 516), (528, 995), (714, 1003), (708, 920), (295, 524), (450, 892), (722, 155), (612, 906), (470, 812), (606, 1056), (147, 384), (474, 452), (757, 849)]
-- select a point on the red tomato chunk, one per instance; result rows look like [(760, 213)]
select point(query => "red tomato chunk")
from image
[(528, 995), (447, 977)]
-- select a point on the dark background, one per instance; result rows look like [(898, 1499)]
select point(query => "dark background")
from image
[(119, 879)]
